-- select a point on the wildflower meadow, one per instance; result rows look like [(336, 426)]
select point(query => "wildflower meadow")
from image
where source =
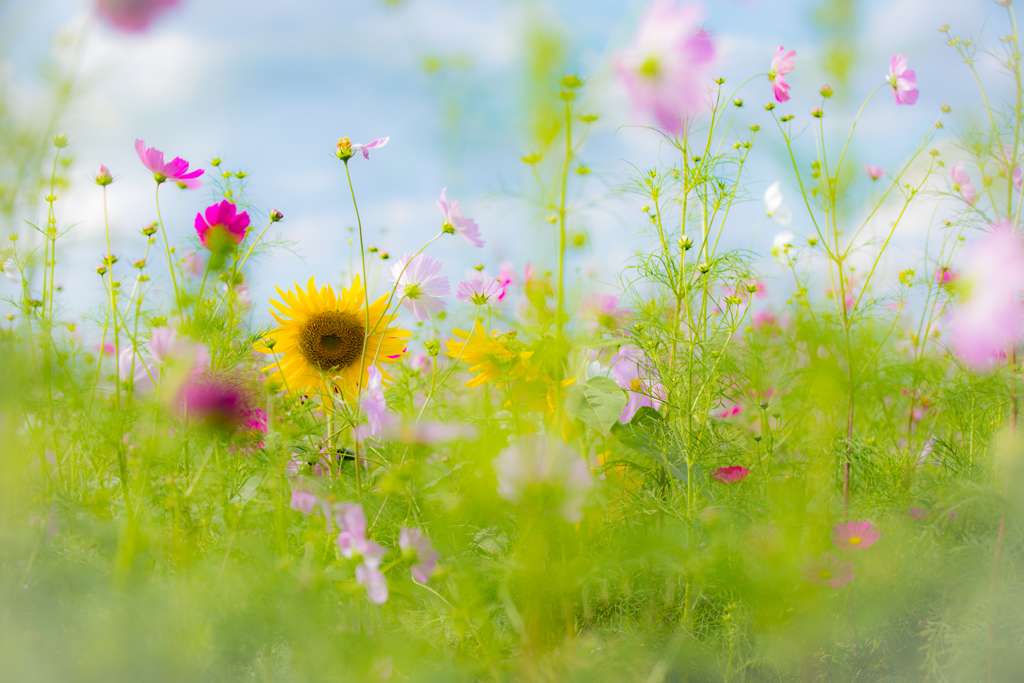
[(688, 353)]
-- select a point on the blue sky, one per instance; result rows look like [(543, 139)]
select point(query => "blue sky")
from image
[(270, 86)]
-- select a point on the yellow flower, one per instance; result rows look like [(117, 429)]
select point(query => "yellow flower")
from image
[(487, 355), (321, 339)]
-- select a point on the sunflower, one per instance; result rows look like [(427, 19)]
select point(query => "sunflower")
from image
[(322, 336)]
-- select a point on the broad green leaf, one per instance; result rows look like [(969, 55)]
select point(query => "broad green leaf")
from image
[(598, 403)]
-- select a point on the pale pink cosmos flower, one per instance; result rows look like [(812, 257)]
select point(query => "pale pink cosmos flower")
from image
[(419, 362), (855, 535), (731, 475), (167, 348), (131, 15), (639, 378), (544, 471), (221, 226), (374, 406), (427, 433), (874, 172), (902, 80), (664, 68), (353, 543), (415, 544), (782, 64), (918, 513), (365, 148), (421, 284), (962, 183), (602, 312), (827, 570), (176, 169), (765, 318), (132, 367), (303, 501), (990, 319), (454, 221), (478, 291)]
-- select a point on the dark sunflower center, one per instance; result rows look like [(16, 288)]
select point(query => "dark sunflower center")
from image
[(331, 340)]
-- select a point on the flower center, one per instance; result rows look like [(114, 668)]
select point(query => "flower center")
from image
[(825, 574), (635, 385), (331, 340), (479, 299), (855, 540), (650, 68), (892, 82)]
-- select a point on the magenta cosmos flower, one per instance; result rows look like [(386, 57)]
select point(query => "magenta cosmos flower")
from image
[(415, 544), (874, 172), (731, 475), (827, 570), (633, 373), (962, 183), (353, 543), (419, 279), (222, 226), (176, 169), (855, 535), (902, 80), (453, 221), (782, 64), (946, 276), (990, 319), (664, 68), (478, 291), (131, 15)]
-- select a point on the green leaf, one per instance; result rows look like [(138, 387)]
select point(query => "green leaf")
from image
[(598, 403)]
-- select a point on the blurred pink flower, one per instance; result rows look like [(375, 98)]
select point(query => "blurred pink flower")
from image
[(131, 15), (664, 67), (827, 570), (765, 318), (419, 362), (421, 284), (106, 349), (729, 409), (989, 320), (902, 80), (192, 264), (374, 406), (731, 475), (782, 64), (221, 402), (303, 501), (353, 543), (427, 433), (176, 169), (132, 367), (221, 226), (602, 312), (874, 172), (506, 276), (917, 513), (103, 176), (962, 183), (533, 462), (167, 348), (454, 222), (478, 290), (635, 374), (855, 535), (415, 544), (946, 276)]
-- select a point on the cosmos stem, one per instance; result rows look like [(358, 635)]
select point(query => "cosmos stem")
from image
[(366, 323)]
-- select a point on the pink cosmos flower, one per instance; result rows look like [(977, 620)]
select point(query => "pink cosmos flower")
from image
[(918, 513), (192, 264), (601, 311), (664, 68), (421, 284), (782, 64), (419, 362), (353, 543), (946, 276), (427, 433), (167, 348), (416, 545), (374, 406), (453, 221), (855, 535), (874, 172), (729, 409), (765, 318), (303, 501), (133, 367), (827, 570), (365, 148), (633, 373), (537, 465), (731, 475), (902, 80), (103, 176), (221, 226), (990, 319), (962, 183), (131, 15), (506, 276), (176, 169), (215, 401), (478, 291)]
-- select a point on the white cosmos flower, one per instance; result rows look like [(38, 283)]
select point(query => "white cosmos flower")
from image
[(781, 245), (774, 206)]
